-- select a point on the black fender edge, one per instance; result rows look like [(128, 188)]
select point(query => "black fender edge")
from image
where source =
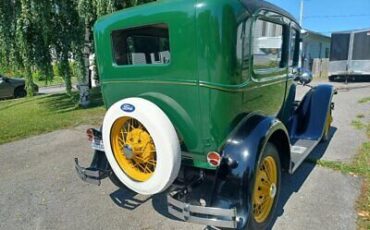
[(241, 156)]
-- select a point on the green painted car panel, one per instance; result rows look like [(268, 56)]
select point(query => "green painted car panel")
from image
[(202, 90)]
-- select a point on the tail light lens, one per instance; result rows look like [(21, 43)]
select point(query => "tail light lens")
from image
[(90, 134), (214, 159)]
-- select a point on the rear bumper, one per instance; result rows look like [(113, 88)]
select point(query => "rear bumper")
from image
[(212, 216), (98, 170)]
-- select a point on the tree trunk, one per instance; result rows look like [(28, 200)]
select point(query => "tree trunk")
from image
[(83, 87), (29, 82)]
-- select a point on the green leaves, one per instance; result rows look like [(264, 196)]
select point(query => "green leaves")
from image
[(35, 33)]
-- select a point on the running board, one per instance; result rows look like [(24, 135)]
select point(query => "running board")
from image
[(299, 151)]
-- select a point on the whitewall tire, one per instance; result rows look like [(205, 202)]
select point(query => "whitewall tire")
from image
[(160, 128)]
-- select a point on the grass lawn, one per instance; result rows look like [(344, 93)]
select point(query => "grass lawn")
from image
[(25, 117)]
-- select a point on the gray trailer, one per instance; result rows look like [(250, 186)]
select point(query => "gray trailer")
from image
[(350, 55)]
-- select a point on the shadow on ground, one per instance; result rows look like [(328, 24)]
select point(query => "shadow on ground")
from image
[(127, 199), (62, 103), (290, 184)]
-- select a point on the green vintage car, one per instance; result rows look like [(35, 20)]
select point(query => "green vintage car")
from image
[(200, 99)]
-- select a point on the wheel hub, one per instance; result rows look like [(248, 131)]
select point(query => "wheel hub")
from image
[(128, 152), (273, 190)]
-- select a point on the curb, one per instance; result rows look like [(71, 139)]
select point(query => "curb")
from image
[(343, 86), (352, 87)]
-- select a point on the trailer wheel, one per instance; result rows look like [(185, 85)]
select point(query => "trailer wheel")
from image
[(266, 189), (141, 146)]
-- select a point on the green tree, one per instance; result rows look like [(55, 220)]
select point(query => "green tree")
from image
[(34, 33)]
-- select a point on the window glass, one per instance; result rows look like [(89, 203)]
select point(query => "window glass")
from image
[(146, 45), (361, 46), (267, 45), (293, 48), (242, 49), (339, 47)]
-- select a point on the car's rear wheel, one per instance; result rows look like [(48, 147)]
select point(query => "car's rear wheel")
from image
[(141, 145), (266, 189), (328, 121), (20, 92)]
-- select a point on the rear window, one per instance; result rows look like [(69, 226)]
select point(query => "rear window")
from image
[(145, 45)]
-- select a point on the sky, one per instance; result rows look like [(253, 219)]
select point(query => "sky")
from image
[(326, 16)]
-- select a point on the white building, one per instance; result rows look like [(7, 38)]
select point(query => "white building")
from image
[(315, 45)]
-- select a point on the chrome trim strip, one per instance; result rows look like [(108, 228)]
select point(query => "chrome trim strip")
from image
[(213, 222), (240, 87), (175, 213), (189, 83), (175, 202), (223, 87), (212, 211), (193, 156)]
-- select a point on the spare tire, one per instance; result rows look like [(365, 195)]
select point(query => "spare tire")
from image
[(141, 145)]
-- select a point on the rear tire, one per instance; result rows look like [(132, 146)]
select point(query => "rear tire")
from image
[(115, 180), (266, 189), (141, 145), (328, 121), (20, 92)]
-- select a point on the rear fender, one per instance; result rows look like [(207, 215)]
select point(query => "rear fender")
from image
[(241, 156), (308, 120)]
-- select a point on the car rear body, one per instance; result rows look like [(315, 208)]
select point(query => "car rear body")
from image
[(199, 86)]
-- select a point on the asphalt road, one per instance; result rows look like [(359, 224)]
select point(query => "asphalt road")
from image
[(54, 89), (40, 190)]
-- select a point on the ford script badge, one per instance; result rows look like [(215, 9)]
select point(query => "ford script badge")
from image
[(128, 108)]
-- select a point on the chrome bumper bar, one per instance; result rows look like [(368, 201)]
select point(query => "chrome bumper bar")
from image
[(90, 175), (98, 170), (218, 217)]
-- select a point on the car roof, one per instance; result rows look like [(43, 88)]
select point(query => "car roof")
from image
[(253, 6)]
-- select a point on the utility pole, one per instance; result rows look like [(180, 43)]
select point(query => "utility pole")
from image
[(300, 61), (301, 13)]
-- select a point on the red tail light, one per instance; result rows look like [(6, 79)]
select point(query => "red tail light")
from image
[(90, 134), (214, 159)]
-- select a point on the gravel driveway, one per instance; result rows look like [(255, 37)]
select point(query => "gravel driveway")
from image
[(40, 190)]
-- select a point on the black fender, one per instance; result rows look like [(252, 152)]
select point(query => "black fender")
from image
[(308, 120), (241, 156)]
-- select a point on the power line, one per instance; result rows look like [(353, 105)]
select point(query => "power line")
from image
[(337, 16)]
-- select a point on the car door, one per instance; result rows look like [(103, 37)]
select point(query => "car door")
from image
[(5, 88), (270, 39)]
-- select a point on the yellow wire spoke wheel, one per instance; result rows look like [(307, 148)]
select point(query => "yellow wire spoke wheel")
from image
[(142, 147), (329, 120), (265, 189), (133, 148)]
